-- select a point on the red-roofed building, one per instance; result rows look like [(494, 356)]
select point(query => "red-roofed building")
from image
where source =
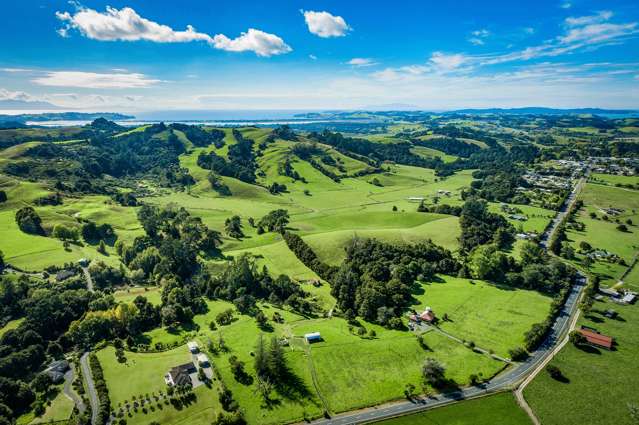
[(597, 339), (427, 315)]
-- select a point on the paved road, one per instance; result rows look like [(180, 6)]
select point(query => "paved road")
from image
[(70, 393), (88, 278), (568, 203), (500, 383), (93, 394)]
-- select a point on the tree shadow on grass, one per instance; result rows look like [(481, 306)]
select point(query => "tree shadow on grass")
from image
[(292, 387)]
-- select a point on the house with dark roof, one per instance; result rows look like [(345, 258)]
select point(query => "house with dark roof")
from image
[(56, 370), (596, 339), (180, 375)]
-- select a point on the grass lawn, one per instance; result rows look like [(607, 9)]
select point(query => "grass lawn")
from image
[(493, 317), (499, 409), (202, 412), (59, 409), (600, 384), (153, 294), (147, 368)]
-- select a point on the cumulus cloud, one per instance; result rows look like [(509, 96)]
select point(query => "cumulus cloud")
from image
[(95, 80), (260, 42), (313, 57), (565, 5), (124, 25), (127, 25), (325, 25), (361, 62)]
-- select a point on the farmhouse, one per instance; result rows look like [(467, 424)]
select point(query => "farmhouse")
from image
[(313, 337), (596, 339), (629, 298), (180, 375), (415, 198), (193, 347), (611, 314), (518, 217), (56, 370), (428, 315)]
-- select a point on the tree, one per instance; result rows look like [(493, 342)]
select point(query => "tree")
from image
[(233, 227), (585, 246), (29, 221), (518, 354), (622, 228), (276, 220), (531, 253), (554, 372), (1, 260), (3, 196), (576, 338), (102, 247), (587, 261), (433, 372)]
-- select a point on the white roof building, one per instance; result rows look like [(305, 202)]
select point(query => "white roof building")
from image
[(193, 347)]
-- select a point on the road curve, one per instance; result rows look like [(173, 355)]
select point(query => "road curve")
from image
[(502, 382), (70, 393), (93, 395)]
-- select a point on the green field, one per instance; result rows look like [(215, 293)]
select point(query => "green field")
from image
[(603, 234), (12, 324), (497, 409), (148, 369), (597, 379), (481, 311)]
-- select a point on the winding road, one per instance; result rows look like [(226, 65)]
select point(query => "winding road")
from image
[(70, 393), (516, 378)]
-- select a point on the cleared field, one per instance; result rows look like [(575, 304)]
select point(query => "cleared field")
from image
[(329, 246), (497, 409), (356, 372), (600, 384), (491, 316), (152, 294), (148, 369), (603, 234)]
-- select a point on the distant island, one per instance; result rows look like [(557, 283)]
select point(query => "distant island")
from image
[(21, 119)]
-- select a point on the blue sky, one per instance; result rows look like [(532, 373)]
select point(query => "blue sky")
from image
[(148, 55)]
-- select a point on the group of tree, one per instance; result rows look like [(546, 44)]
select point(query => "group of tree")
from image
[(240, 164), (29, 221), (479, 226), (376, 279)]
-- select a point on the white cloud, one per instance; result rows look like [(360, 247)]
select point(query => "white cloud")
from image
[(15, 95), (565, 5), (127, 25), (260, 42), (529, 30), (325, 25), (601, 16), (478, 37), (313, 57), (95, 80), (15, 70), (447, 62), (361, 62)]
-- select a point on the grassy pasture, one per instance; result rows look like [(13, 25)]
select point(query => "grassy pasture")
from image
[(500, 409), (600, 384), (482, 312)]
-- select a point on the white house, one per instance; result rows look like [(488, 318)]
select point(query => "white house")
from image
[(193, 347)]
